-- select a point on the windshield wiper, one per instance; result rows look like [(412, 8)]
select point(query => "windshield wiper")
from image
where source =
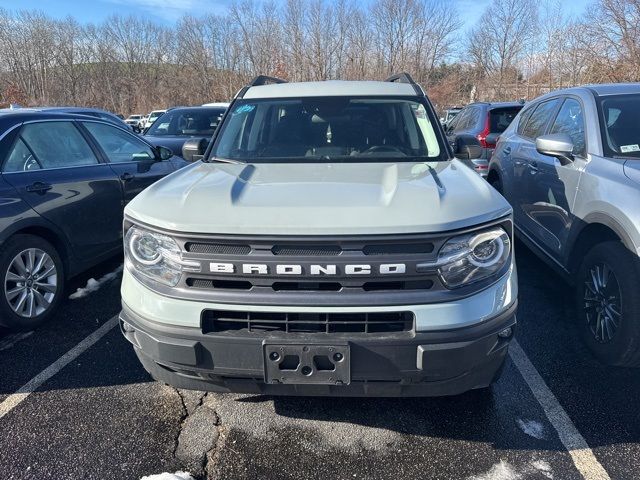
[(626, 157), (225, 160)]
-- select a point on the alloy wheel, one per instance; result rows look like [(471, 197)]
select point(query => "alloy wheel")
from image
[(30, 283), (602, 302)]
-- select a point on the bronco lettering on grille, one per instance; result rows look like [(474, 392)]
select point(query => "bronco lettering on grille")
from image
[(289, 269)]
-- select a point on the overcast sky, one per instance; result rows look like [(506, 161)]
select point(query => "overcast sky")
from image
[(167, 11)]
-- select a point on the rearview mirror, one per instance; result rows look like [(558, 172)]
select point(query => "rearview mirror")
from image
[(164, 153), (557, 145), (467, 147)]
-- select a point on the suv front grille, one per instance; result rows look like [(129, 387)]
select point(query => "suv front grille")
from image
[(308, 286), (219, 321), (317, 271)]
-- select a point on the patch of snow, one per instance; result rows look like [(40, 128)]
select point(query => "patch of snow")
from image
[(10, 340), (532, 428), (169, 476), (544, 468), (500, 471), (93, 284)]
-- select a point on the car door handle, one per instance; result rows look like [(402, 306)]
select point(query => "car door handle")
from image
[(506, 150), (127, 177), (533, 167), (39, 187)]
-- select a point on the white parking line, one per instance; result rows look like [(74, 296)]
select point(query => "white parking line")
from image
[(15, 399), (583, 457)]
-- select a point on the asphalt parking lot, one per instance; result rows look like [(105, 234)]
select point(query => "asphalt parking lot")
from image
[(75, 403)]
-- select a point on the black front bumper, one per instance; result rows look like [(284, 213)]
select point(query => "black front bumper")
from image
[(393, 364)]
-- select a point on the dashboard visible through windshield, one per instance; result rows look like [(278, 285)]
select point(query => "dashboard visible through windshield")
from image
[(328, 129)]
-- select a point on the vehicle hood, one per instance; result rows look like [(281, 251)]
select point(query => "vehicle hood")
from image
[(173, 142), (319, 199)]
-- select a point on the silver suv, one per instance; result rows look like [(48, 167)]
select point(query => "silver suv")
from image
[(329, 243), (569, 164)]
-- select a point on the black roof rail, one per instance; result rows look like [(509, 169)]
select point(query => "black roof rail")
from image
[(264, 80), (404, 77)]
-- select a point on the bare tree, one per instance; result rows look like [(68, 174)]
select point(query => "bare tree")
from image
[(503, 34)]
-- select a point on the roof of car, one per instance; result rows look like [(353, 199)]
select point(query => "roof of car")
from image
[(614, 88), (216, 104), (330, 88), (9, 117), (499, 104)]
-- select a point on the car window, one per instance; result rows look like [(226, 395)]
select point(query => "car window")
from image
[(474, 118), (570, 121), (187, 122), (524, 118), (620, 125), (321, 129), (540, 119), (501, 118), (118, 145), (462, 120), (49, 145), (20, 159)]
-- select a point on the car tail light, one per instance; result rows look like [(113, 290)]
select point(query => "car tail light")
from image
[(482, 136)]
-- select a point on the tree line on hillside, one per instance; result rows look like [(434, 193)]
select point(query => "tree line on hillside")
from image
[(516, 49)]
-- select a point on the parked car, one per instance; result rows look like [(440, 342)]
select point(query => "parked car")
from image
[(449, 114), (485, 121), (151, 117), (90, 112), (570, 167), (328, 244), (64, 180), (134, 120), (180, 125)]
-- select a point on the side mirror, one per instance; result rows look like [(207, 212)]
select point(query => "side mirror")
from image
[(467, 147), (193, 149), (492, 138), (164, 153), (557, 145)]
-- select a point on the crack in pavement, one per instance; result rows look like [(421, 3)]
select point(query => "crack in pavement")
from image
[(198, 434)]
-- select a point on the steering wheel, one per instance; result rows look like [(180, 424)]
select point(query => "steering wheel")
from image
[(382, 149), (29, 163)]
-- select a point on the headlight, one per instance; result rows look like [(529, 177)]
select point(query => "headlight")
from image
[(155, 256), (472, 257)]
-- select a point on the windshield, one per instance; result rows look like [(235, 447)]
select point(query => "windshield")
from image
[(328, 129), (620, 119), (187, 122)]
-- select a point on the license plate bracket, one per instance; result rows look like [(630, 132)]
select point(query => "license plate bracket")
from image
[(308, 364)]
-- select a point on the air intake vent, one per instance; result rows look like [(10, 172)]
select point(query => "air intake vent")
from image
[(219, 284), (396, 248), (218, 248), (217, 321), (306, 250)]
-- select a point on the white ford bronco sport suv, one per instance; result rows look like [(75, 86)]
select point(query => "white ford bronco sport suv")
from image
[(329, 243)]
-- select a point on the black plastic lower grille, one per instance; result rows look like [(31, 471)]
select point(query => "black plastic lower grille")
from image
[(218, 321)]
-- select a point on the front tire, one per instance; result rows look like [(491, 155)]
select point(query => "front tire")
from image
[(608, 304), (32, 279)]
